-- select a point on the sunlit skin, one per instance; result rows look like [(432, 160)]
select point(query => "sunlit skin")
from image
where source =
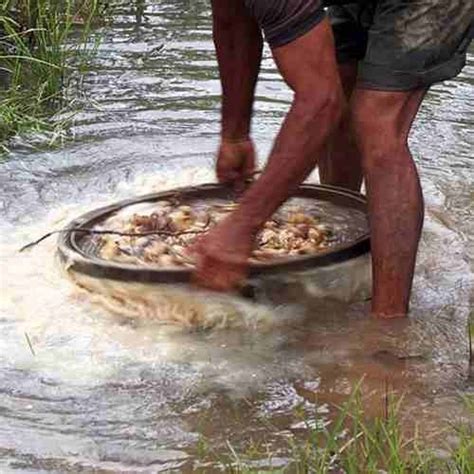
[(372, 141), (347, 128)]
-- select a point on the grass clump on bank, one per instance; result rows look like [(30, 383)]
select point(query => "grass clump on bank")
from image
[(353, 443), (43, 45)]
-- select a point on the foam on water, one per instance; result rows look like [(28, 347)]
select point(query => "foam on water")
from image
[(127, 393)]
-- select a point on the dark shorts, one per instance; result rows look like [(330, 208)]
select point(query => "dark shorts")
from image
[(283, 21), (400, 44)]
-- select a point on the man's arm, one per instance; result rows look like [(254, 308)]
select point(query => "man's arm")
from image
[(238, 43), (308, 65)]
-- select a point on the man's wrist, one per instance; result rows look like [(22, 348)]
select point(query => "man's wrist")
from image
[(234, 129), (235, 140), (235, 137)]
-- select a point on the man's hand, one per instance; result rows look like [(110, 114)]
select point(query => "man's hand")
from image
[(235, 162), (222, 255)]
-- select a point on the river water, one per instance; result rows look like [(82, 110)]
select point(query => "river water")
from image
[(84, 389)]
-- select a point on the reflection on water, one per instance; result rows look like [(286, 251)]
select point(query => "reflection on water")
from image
[(123, 394)]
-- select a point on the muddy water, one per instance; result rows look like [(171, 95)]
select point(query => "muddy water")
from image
[(92, 390)]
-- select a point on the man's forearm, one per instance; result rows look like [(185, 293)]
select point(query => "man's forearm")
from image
[(293, 157), (238, 43), (308, 66)]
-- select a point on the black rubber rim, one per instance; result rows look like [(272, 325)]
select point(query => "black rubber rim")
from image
[(75, 259)]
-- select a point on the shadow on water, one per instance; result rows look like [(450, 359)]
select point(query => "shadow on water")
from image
[(120, 394)]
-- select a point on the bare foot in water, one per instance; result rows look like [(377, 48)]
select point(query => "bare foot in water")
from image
[(222, 256)]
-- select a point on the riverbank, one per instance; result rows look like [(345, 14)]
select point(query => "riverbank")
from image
[(354, 443), (45, 48)]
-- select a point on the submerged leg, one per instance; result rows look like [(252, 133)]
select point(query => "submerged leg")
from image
[(382, 121)]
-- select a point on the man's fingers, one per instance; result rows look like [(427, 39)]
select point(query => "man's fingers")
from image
[(227, 168), (234, 178), (249, 165), (235, 162), (238, 178), (239, 186), (215, 275), (227, 175), (245, 173), (212, 278)]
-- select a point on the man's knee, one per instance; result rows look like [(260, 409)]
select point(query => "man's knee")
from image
[(379, 135), (382, 120)]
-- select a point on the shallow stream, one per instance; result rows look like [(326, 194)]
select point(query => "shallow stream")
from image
[(85, 389)]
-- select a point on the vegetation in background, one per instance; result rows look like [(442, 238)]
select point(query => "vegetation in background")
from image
[(354, 444), (43, 45)]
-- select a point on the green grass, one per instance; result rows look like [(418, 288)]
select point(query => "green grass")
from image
[(353, 443), (44, 45)]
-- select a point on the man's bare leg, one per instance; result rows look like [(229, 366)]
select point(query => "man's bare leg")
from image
[(382, 122), (309, 67), (341, 164)]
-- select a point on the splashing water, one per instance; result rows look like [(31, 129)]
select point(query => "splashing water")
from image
[(119, 391)]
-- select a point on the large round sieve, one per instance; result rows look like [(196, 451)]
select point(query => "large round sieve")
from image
[(78, 254)]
